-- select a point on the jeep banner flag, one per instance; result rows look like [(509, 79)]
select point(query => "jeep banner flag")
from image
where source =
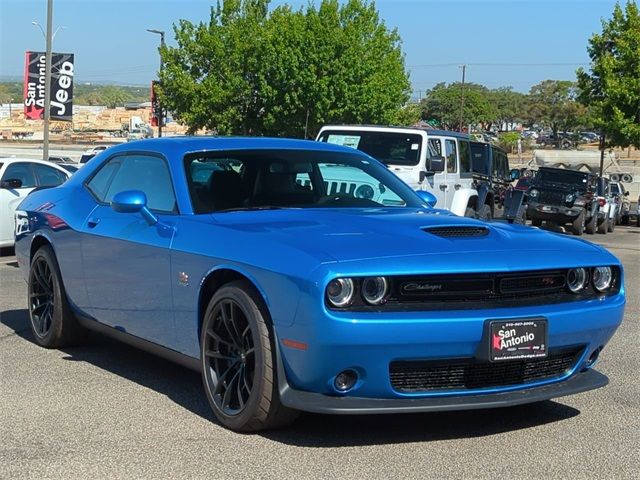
[(61, 86)]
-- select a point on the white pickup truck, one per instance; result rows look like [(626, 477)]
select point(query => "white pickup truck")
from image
[(437, 161)]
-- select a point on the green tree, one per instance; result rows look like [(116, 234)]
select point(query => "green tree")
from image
[(552, 103), (612, 88), (442, 103), (286, 72), (509, 105)]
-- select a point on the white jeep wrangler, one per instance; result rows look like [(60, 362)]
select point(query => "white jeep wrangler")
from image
[(437, 161)]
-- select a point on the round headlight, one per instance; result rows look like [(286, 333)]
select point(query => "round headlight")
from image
[(602, 278), (569, 198), (364, 191), (374, 290), (533, 193), (577, 279), (340, 292)]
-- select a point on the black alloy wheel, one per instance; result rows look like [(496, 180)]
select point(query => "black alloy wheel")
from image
[(41, 297), (239, 366), (230, 356), (52, 321)]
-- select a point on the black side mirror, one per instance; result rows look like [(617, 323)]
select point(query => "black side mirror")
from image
[(423, 175), (11, 183), (514, 174), (435, 164), (626, 194)]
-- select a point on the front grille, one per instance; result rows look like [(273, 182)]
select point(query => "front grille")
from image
[(458, 232), (469, 374), (482, 286), (551, 197)]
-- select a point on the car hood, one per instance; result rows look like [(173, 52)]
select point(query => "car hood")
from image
[(400, 236)]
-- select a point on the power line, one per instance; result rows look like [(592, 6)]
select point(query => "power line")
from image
[(517, 65)]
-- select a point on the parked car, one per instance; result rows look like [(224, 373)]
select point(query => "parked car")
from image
[(18, 177), (608, 207), (562, 196), (621, 196), (289, 298), (559, 140), (492, 181), (436, 161)]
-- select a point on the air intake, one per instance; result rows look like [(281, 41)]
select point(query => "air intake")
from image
[(458, 232)]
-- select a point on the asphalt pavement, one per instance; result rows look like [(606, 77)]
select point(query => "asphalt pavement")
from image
[(106, 410)]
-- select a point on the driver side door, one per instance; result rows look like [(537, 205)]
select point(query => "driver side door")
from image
[(127, 268)]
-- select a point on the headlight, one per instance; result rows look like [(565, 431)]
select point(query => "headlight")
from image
[(364, 191), (602, 278), (340, 292), (374, 290), (570, 197), (533, 193), (577, 279)]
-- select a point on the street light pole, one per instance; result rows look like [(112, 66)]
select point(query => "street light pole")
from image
[(160, 108), (47, 81)]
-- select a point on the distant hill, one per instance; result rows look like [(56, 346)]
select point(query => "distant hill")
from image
[(85, 93)]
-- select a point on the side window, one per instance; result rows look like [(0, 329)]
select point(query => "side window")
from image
[(435, 148), (20, 171), (451, 154), (148, 174), (465, 156), (100, 182), (47, 176), (136, 172)]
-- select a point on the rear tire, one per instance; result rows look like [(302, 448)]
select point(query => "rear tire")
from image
[(238, 360), (52, 321), (578, 225), (470, 213), (612, 225), (604, 226)]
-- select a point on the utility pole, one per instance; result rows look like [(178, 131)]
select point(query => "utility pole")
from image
[(160, 108), (602, 145), (47, 82), (464, 69)]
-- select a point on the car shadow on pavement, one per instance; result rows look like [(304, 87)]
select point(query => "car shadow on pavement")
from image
[(184, 387)]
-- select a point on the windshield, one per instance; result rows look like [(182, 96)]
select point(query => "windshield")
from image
[(265, 179), (390, 148), (571, 177)]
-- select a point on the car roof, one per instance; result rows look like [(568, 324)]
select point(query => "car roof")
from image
[(180, 146), (9, 160)]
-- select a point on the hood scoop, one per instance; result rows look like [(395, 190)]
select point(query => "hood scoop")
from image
[(458, 232)]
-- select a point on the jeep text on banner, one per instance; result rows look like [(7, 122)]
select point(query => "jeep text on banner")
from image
[(61, 86)]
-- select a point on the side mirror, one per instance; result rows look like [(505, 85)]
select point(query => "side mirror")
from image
[(133, 201), (626, 194), (427, 197), (11, 183), (514, 174), (435, 164), (423, 175)]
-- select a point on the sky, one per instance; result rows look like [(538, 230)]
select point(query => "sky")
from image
[(515, 43)]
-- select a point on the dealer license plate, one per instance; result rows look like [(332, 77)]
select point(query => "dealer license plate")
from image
[(518, 339)]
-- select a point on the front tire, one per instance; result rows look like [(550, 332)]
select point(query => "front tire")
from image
[(238, 361), (52, 321), (578, 224), (592, 224), (603, 228), (484, 213)]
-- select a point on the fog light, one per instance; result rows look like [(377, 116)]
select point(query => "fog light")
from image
[(345, 380)]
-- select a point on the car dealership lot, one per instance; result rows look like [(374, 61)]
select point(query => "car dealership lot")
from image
[(106, 410)]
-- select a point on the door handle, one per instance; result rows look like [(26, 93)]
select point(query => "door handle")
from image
[(443, 186), (93, 222), (457, 186)]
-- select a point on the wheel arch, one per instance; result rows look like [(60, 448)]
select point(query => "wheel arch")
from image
[(37, 242), (216, 279), (462, 199)]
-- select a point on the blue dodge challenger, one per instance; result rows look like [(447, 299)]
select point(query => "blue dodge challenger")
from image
[(306, 276)]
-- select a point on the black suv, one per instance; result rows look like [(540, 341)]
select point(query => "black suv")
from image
[(563, 196), (492, 180)]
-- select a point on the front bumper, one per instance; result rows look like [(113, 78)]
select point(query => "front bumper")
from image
[(368, 343), (318, 403), (552, 213)]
